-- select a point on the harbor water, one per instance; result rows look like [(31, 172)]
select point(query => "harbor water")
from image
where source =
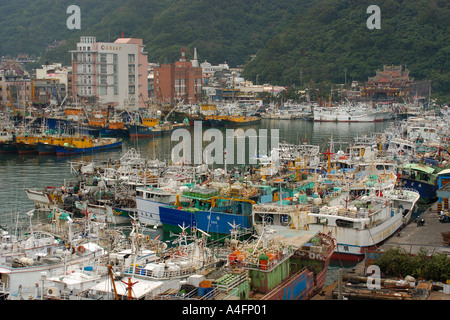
[(18, 172)]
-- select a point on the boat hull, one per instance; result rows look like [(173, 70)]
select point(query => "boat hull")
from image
[(305, 281), (230, 123), (332, 115), (108, 132), (62, 150), (44, 148), (217, 224), (350, 251), (139, 131), (427, 191), (25, 148), (148, 211), (8, 147)]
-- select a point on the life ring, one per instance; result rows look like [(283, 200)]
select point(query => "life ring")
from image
[(71, 249), (312, 255), (81, 249)]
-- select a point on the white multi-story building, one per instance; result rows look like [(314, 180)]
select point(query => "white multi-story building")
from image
[(110, 73), (54, 72)]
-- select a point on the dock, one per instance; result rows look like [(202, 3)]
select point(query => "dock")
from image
[(428, 236), (411, 238)]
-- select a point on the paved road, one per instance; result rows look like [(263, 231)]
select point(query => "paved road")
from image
[(428, 236)]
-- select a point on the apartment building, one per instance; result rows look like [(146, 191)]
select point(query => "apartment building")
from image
[(113, 74)]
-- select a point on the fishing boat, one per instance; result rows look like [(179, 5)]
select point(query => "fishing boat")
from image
[(219, 120), (47, 144), (240, 120), (365, 223), (152, 266), (7, 140), (285, 266), (149, 199), (274, 266), (26, 144), (103, 212), (114, 128), (357, 224), (74, 111), (42, 142), (278, 115), (420, 177), (214, 120), (143, 129), (348, 113), (208, 211), (25, 263), (79, 145)]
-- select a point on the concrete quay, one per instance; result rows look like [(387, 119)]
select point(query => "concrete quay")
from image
[(428, 236), (411, 238)]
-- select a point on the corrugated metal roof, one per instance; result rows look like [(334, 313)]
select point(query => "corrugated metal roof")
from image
[(446, 171), (418, 167)]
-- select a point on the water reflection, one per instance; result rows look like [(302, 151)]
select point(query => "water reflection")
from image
[(18, 172)]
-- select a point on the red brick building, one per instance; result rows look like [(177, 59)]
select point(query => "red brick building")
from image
[(178, 81)]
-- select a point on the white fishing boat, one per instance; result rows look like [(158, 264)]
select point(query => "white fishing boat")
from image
[(157, 270), (72, 285), (357, 225), (365, 222), (149, 199), (103, 212), (21, 268), (348, 113)]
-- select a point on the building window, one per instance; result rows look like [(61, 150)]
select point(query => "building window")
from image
[(102, 79), (116, 80), (101, 91)]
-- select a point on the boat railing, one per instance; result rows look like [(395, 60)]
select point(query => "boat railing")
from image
[(158, 274), (227, 286), (265, 266), (406, 189)]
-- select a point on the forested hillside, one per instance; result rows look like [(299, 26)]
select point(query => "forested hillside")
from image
[(221, 31), (294, 40), (29, 26), (332, 40)]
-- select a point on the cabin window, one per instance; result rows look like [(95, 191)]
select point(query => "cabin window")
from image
[(344, 223), (139, 193)]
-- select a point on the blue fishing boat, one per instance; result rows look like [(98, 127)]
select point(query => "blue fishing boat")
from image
[(87, 145), (214, 215), (420, 177)]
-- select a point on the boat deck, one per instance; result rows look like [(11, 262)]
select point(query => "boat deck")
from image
[(292, 237)]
